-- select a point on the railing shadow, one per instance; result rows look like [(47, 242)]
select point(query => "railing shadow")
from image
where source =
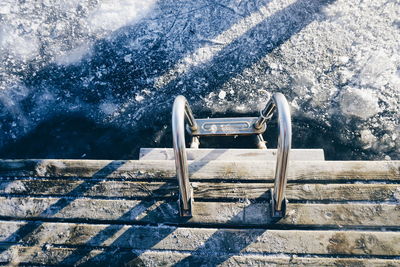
[(224, 242), (109, 231), (24, 232), (112, 229)]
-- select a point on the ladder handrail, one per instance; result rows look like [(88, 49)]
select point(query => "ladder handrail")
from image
[(278, 101), (180, 111)]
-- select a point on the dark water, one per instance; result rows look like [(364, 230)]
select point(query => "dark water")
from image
[(110, 102), (76, 137)]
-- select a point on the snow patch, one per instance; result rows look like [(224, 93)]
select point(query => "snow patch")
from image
[(396, 194), (15, 186)]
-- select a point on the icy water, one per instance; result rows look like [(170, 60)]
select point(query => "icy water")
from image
[(96, 79)]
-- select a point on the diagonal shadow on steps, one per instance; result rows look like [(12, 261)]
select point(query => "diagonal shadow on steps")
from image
[(156, 233), (111, 230), (224, 243), (219, 247), (24, 232)]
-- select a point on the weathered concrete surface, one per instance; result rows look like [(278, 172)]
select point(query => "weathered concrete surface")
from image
[(112, 257), (81, 212), (205, 170), (201, 190), (210, 241)]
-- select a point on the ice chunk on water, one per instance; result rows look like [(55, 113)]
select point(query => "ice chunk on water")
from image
[(378, 70), (73, 56), (111, 15), (222, 95), (5, 8), (108, 108), (21, 47), (361, 103), (128, 58), (367, 138), (139, 98)]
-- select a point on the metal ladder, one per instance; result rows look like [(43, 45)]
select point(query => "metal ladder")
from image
[(231, 127)]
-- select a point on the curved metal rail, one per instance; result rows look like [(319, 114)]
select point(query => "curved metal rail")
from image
[(180, 111), (279, 102)]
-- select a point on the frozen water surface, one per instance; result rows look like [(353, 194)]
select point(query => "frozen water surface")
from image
[(98, 77)]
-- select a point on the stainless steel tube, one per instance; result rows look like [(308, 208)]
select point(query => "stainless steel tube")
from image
[(279, 102), (180, 111), (284, 146)]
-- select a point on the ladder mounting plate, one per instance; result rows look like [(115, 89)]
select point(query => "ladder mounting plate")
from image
[(227, 127)]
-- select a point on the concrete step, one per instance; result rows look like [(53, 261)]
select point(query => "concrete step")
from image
[(205, 154), (125, 213)]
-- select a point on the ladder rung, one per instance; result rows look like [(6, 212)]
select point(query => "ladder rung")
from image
[(227, 126)]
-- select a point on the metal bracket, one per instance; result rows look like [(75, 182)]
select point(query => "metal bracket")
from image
[(277, 214), (186, 212)]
